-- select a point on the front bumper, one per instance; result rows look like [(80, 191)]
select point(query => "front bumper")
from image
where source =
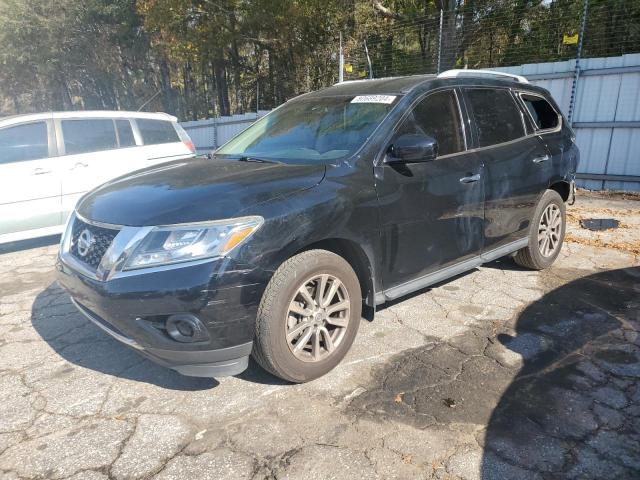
[(221, 293)]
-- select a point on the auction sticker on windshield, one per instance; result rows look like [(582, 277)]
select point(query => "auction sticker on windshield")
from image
[(374, 99)]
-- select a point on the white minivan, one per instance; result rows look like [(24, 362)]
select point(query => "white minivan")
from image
[(49, 160)]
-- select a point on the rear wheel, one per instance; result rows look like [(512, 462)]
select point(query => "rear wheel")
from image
[(547, 233), (308, 316)]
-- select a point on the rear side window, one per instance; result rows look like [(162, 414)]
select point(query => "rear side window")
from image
[(157, 131), (125, 133), (24, 142), (543, 114), (437, 116), (85, 136), (497, 117)]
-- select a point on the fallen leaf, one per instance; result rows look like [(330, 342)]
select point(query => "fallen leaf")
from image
[(398, 398), (633, 248)]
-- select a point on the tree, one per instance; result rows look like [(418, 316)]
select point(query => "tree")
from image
[(202, 58)]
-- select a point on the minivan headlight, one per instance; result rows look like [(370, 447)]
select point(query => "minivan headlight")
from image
[(182, 243)]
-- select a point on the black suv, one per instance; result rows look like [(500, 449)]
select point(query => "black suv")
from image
[(336, 201)]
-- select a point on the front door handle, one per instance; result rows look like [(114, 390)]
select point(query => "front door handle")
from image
[(544, 158), (78, 165), (471, 179), (41, 171)]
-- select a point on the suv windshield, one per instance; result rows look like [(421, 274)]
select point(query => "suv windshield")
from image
[(311, 129)]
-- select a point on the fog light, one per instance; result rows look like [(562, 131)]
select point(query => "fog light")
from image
[(186, 328)]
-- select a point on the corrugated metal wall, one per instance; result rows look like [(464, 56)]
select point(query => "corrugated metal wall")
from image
[(606, 115), (207, 135)]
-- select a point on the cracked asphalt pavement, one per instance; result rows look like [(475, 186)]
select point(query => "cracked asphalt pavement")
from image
[(498, 373)]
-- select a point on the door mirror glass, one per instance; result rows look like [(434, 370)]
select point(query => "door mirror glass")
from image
[(413, 147)]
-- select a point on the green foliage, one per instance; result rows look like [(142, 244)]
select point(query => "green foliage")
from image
[(66, 54), (201, 58)]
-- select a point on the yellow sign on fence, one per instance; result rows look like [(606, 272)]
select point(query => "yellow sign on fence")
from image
[(570, 39)]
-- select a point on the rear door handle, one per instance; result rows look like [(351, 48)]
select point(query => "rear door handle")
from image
[(41, 171), (78, 165), (471, 179), (544, 158)]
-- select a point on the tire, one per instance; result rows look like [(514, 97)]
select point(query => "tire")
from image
[(276, 321), (532, 255)]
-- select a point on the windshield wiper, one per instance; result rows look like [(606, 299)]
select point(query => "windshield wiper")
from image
[(255, 159)]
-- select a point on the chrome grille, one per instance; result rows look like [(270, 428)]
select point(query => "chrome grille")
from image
[(100, 240)]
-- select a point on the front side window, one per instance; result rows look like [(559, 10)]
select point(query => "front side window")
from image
[(24, 142), (543, 114), (91, 135), (156, 132), (312, 129), (497, 117), (438, 117)]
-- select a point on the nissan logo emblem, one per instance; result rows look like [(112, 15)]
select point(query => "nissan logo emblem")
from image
[(85, 240)]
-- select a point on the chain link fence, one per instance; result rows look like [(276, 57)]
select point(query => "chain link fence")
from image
[(474, 34), (585, 52)]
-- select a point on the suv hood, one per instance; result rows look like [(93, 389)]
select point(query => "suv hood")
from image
[(194, 191)]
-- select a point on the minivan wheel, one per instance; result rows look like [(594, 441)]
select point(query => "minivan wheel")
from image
[(546, 234), (308, 316)]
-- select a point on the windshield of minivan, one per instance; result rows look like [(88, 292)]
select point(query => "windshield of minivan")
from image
[(311, 129)]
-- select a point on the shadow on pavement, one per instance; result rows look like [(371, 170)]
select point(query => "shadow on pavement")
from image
[(505, 263), (559, 399), (256, 374), (573, 410), (417, 293), (81, 343)]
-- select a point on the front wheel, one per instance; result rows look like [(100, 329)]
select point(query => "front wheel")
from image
[(308, 316), (546, 234)]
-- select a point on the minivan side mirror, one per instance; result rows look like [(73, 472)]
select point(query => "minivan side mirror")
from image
[(412, 147)]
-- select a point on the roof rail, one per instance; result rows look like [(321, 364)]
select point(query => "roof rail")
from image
[(480, 73), (352, 81)]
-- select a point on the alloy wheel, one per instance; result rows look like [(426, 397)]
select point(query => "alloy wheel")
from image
[(549, 230), (317, 318)]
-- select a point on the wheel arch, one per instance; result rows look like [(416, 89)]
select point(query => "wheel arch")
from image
[(562, 187), (356, 256)]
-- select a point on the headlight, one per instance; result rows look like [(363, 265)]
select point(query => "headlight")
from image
[(183, 243)]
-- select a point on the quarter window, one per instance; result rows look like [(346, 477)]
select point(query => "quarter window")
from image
[(24, 142), (157, 131), (84, 136), (125, 133), (543, 114), (497, 117), (437, 116)]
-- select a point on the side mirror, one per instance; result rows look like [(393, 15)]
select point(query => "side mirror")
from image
[(412, 147)]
